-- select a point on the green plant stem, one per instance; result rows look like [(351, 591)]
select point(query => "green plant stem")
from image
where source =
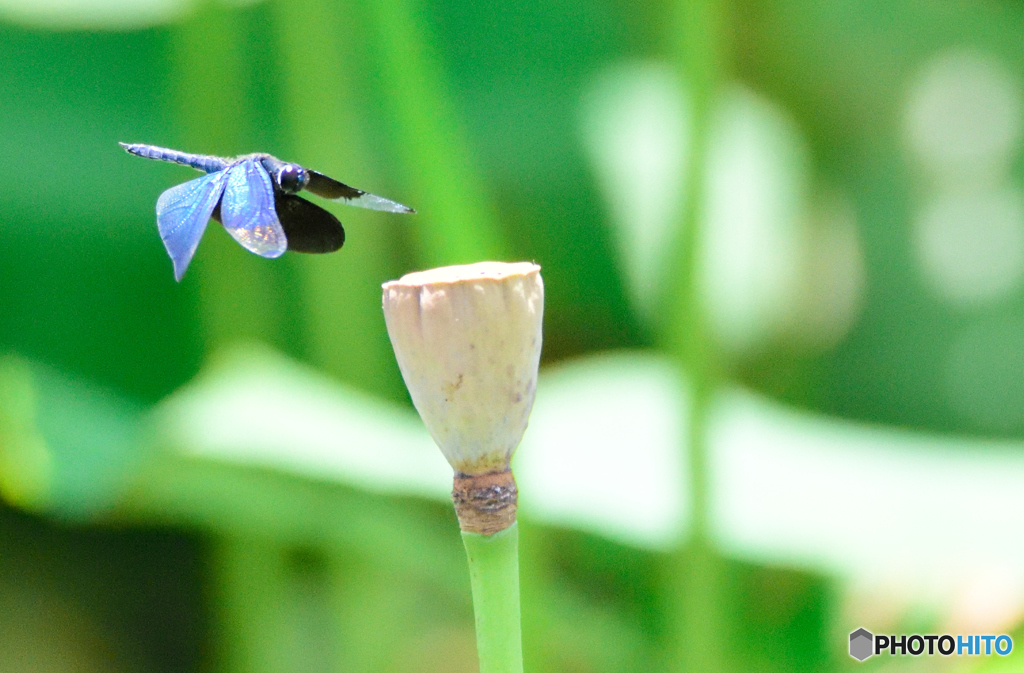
[(456, 221), (494, 575), (213, 114), (694, 572), (342, 299)]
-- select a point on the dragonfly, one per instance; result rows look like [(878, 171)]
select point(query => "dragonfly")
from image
[(255, 197)]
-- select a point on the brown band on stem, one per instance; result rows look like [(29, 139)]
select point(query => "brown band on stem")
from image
[(485, 503)]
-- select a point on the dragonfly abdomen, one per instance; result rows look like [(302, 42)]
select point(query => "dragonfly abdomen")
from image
[(200, 162)]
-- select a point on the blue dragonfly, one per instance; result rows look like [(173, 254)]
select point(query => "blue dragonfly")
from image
[(254, 197)]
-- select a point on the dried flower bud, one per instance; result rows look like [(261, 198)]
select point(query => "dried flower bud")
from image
[(468, 339)]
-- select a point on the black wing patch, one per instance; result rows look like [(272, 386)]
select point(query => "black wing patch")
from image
[(329, 188), (308, 227)]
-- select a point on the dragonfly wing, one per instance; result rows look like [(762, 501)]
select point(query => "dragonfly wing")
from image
[(181, 216), (309, 227), (329, 188), (247, 210)]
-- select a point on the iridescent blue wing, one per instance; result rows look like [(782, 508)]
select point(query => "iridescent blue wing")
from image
[(181, 216), (247, 210)]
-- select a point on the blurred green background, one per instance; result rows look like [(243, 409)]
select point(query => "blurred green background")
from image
[(781, 215)]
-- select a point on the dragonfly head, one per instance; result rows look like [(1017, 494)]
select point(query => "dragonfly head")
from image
[(291, 178)]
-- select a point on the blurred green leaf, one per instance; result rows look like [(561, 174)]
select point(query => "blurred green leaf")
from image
[(253, 407), (66, 446)]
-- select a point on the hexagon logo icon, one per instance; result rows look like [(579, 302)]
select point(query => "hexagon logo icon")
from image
[(861, 644)]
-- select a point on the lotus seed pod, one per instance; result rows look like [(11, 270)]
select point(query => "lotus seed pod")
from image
[(468, 341)]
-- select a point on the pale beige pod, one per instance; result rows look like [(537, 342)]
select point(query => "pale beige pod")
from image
[(468, 341)]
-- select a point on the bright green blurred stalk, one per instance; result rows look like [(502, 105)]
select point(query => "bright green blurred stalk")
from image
[(456, 223), (239, 296), (693, 574), (322, 67)]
